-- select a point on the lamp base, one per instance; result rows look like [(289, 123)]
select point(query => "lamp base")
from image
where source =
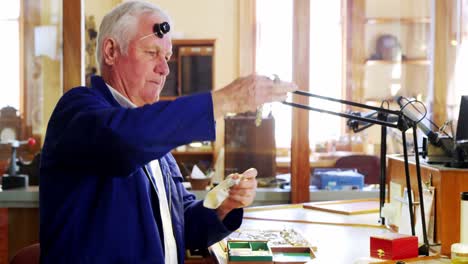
[(423, 250), (17, 181)]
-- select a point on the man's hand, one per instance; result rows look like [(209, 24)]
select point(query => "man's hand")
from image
[(240, 195), (247, 93)]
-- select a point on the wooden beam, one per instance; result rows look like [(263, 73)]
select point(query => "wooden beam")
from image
[(247, 36), (300, 151), (73, 43), (442, 49), (355, 57), (23, 92)]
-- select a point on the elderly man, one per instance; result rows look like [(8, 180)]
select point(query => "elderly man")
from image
[(110, 191)]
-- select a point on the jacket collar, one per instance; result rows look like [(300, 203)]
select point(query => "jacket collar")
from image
[(98, 84), (123, 101)]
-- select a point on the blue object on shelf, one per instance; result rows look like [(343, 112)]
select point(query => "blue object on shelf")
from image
[(337, 179)]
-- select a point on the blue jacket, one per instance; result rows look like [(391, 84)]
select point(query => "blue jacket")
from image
[(96, 203)]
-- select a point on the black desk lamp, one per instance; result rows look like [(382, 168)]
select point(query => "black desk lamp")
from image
[(12, 179), (399, 119)]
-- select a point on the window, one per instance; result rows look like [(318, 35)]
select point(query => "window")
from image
[(325, 68), (274, 56), (459, 84), (10, 54)]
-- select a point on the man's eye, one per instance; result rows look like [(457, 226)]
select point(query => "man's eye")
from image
[(151, 53)]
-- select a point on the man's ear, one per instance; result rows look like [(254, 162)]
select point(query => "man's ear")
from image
[(110, 51)]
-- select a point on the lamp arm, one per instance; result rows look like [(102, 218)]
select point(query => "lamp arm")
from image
[(346, 102), (346, 115)]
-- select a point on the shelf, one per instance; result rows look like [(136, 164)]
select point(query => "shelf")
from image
[(190, 57), (192, 152), (389, 20), (388, 62)]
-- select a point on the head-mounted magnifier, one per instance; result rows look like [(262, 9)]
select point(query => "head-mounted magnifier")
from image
[(159, 30)]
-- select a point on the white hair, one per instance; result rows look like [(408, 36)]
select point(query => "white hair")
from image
[(121, 24)]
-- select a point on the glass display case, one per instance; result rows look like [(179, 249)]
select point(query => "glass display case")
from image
[(395, 47)]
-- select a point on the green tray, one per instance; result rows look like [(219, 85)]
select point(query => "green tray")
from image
[(244, 251)]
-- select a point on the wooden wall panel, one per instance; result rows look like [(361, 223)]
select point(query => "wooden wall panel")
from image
[(3, 235), (23, 228)]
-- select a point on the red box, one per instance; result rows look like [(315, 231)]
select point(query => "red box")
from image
[(393, 246)]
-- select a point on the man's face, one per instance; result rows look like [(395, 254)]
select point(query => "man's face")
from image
[(142, 71)]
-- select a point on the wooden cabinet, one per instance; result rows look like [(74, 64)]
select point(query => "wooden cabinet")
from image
[(389, 49), (448, 183), (191, 66)]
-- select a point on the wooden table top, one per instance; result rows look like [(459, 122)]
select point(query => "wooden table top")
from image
[(339, 238)]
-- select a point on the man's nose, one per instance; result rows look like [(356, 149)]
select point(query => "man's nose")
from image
[(162, 67)]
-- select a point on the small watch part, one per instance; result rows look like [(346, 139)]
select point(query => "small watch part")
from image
[(258, 117)]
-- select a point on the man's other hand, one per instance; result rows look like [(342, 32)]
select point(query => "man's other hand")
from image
[(241, 194)]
